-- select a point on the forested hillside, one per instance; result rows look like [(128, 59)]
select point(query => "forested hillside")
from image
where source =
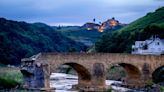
[(120, 41), (78, 34), (20, 39)]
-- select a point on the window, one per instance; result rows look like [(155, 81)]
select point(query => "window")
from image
[(157, 43), (145, 47), (141, 44)]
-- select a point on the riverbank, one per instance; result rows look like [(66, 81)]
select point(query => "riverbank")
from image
[(10, 77)]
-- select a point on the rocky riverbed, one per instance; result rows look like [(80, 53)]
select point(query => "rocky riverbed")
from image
[(63, 83)]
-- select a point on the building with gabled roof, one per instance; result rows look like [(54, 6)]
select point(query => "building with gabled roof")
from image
[(153, 45)]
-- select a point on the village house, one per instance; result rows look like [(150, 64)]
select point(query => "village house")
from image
[(153, 45)]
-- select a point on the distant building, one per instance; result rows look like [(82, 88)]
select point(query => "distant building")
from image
[(154, 46), (91, 26), (111, 24)]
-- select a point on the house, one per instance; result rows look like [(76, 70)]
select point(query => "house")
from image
[(153, 45)]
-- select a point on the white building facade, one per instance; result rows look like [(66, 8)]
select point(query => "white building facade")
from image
[(153, 46)]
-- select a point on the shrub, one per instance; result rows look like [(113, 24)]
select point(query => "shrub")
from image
[(162, 88), (109, 89), (10, 77), (149, 83)]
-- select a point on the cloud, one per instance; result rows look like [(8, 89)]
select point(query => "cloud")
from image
[(76, 11)]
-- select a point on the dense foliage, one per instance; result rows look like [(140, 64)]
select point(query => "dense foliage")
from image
[(79, 34), (20, 39), (120, 41)]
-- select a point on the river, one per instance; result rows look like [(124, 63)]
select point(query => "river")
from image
[(63, 82)]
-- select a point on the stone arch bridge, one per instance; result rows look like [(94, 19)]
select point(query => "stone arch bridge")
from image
[(90, 67)]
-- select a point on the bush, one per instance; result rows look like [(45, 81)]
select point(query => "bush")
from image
[(149, 83), (8, 83), (10, 77), (162, 88), (109, 89)]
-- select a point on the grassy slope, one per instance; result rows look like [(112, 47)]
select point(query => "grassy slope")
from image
[(150, 18)]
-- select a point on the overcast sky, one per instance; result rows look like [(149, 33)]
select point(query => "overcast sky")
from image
[(76, 12)]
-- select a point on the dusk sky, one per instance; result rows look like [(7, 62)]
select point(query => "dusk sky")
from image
[(76, 12)]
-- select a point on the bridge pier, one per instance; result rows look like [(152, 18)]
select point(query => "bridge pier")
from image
[(35, 75), (97, 82), (90, 67), (146, 74), (46, 71), (99, 77)]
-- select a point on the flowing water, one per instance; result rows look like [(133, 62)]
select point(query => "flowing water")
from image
[(63, 82)]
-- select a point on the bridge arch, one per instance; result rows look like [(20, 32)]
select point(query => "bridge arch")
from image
[(82, 72), (84, 75), (133, 73), (131, 70), (158, 75)]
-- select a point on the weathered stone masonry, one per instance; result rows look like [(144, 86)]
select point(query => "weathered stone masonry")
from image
[(91, 68)]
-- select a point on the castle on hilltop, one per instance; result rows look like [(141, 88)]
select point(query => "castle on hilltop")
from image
[(110, 24)]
